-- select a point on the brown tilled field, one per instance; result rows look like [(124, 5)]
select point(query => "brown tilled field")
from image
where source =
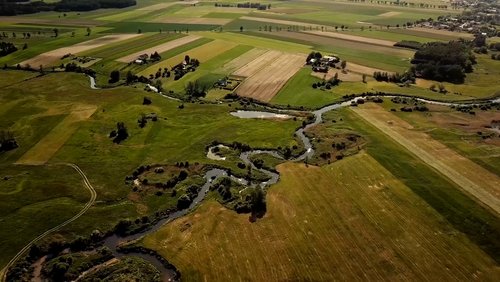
[(267, 81), (331, 223), (472, 178), (160, 48), (51, 57)]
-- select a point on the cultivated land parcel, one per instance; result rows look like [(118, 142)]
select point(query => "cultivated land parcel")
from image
[(415, 198)]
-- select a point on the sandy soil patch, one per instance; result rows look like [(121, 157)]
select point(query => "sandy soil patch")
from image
[(267, 81), (55, 139), (53, 56), (472, 178), (257, 64), (243, 60), (214, 21), (353, 38), (160, 48), (389, 14)]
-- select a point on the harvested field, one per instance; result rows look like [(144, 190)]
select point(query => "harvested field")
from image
[(337, 222), (160, 48), (213, 21), (243, 60), (472, 178), (267, 81), (55, 139), (203, 53), (389, 14), (257, 64), (51, 57), (47, 21), (356, 38)]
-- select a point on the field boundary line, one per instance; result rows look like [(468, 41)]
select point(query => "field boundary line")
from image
[(90, 203)]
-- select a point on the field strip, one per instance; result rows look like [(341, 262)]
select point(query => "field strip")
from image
[(54, 55), (266, 82), (472, 178), (165, 5), (389, 14), (350, 37), (212, 21), (55, 22), (443, 32), (258, 63), (203, 53), (55, 139), (356, 68), (243, 60), (160, 48), (93, 197), (283, 22)]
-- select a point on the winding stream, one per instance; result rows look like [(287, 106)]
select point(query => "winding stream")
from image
[(212, 175)]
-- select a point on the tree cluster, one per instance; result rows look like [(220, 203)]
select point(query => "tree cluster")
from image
[(444, 61), (15, 8), (409, 44), (7, 141), (6, 48), (196, 89), (120, 134), (407, 77)]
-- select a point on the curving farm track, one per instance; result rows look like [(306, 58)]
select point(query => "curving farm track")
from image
[(93, 196)]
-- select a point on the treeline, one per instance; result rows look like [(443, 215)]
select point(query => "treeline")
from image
[(409, 44), (257, 6), (407, 77), (6, 48), (12, 9), (444, 61)]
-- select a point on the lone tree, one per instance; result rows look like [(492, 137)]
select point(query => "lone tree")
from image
[(343, 64), (241, 28), (120, 134), (88, 31), (56, 32), (7, 141), (114, 76)]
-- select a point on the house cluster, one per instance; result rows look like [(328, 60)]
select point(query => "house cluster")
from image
[(323, 63), (479, 18), (145, 58)]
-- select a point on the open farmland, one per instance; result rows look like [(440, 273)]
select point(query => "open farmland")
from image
[(472, 178), (354, 38), (52, 142), (334, 222), (160, 48), (52, 56), (243, 60), (257, 64), (202, 53), (267, 81)]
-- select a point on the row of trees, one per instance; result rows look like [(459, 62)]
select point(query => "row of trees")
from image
[(15, 8), (407, 77)]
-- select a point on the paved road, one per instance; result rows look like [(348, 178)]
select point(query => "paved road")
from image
[(93, 196)]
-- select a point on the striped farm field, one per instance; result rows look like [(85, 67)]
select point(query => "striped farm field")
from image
[(203, 53), (54, 55), (243, 60), (337, 222), (55, 139), (257, 64), (160, 48), (471, 177), (266, 81)]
